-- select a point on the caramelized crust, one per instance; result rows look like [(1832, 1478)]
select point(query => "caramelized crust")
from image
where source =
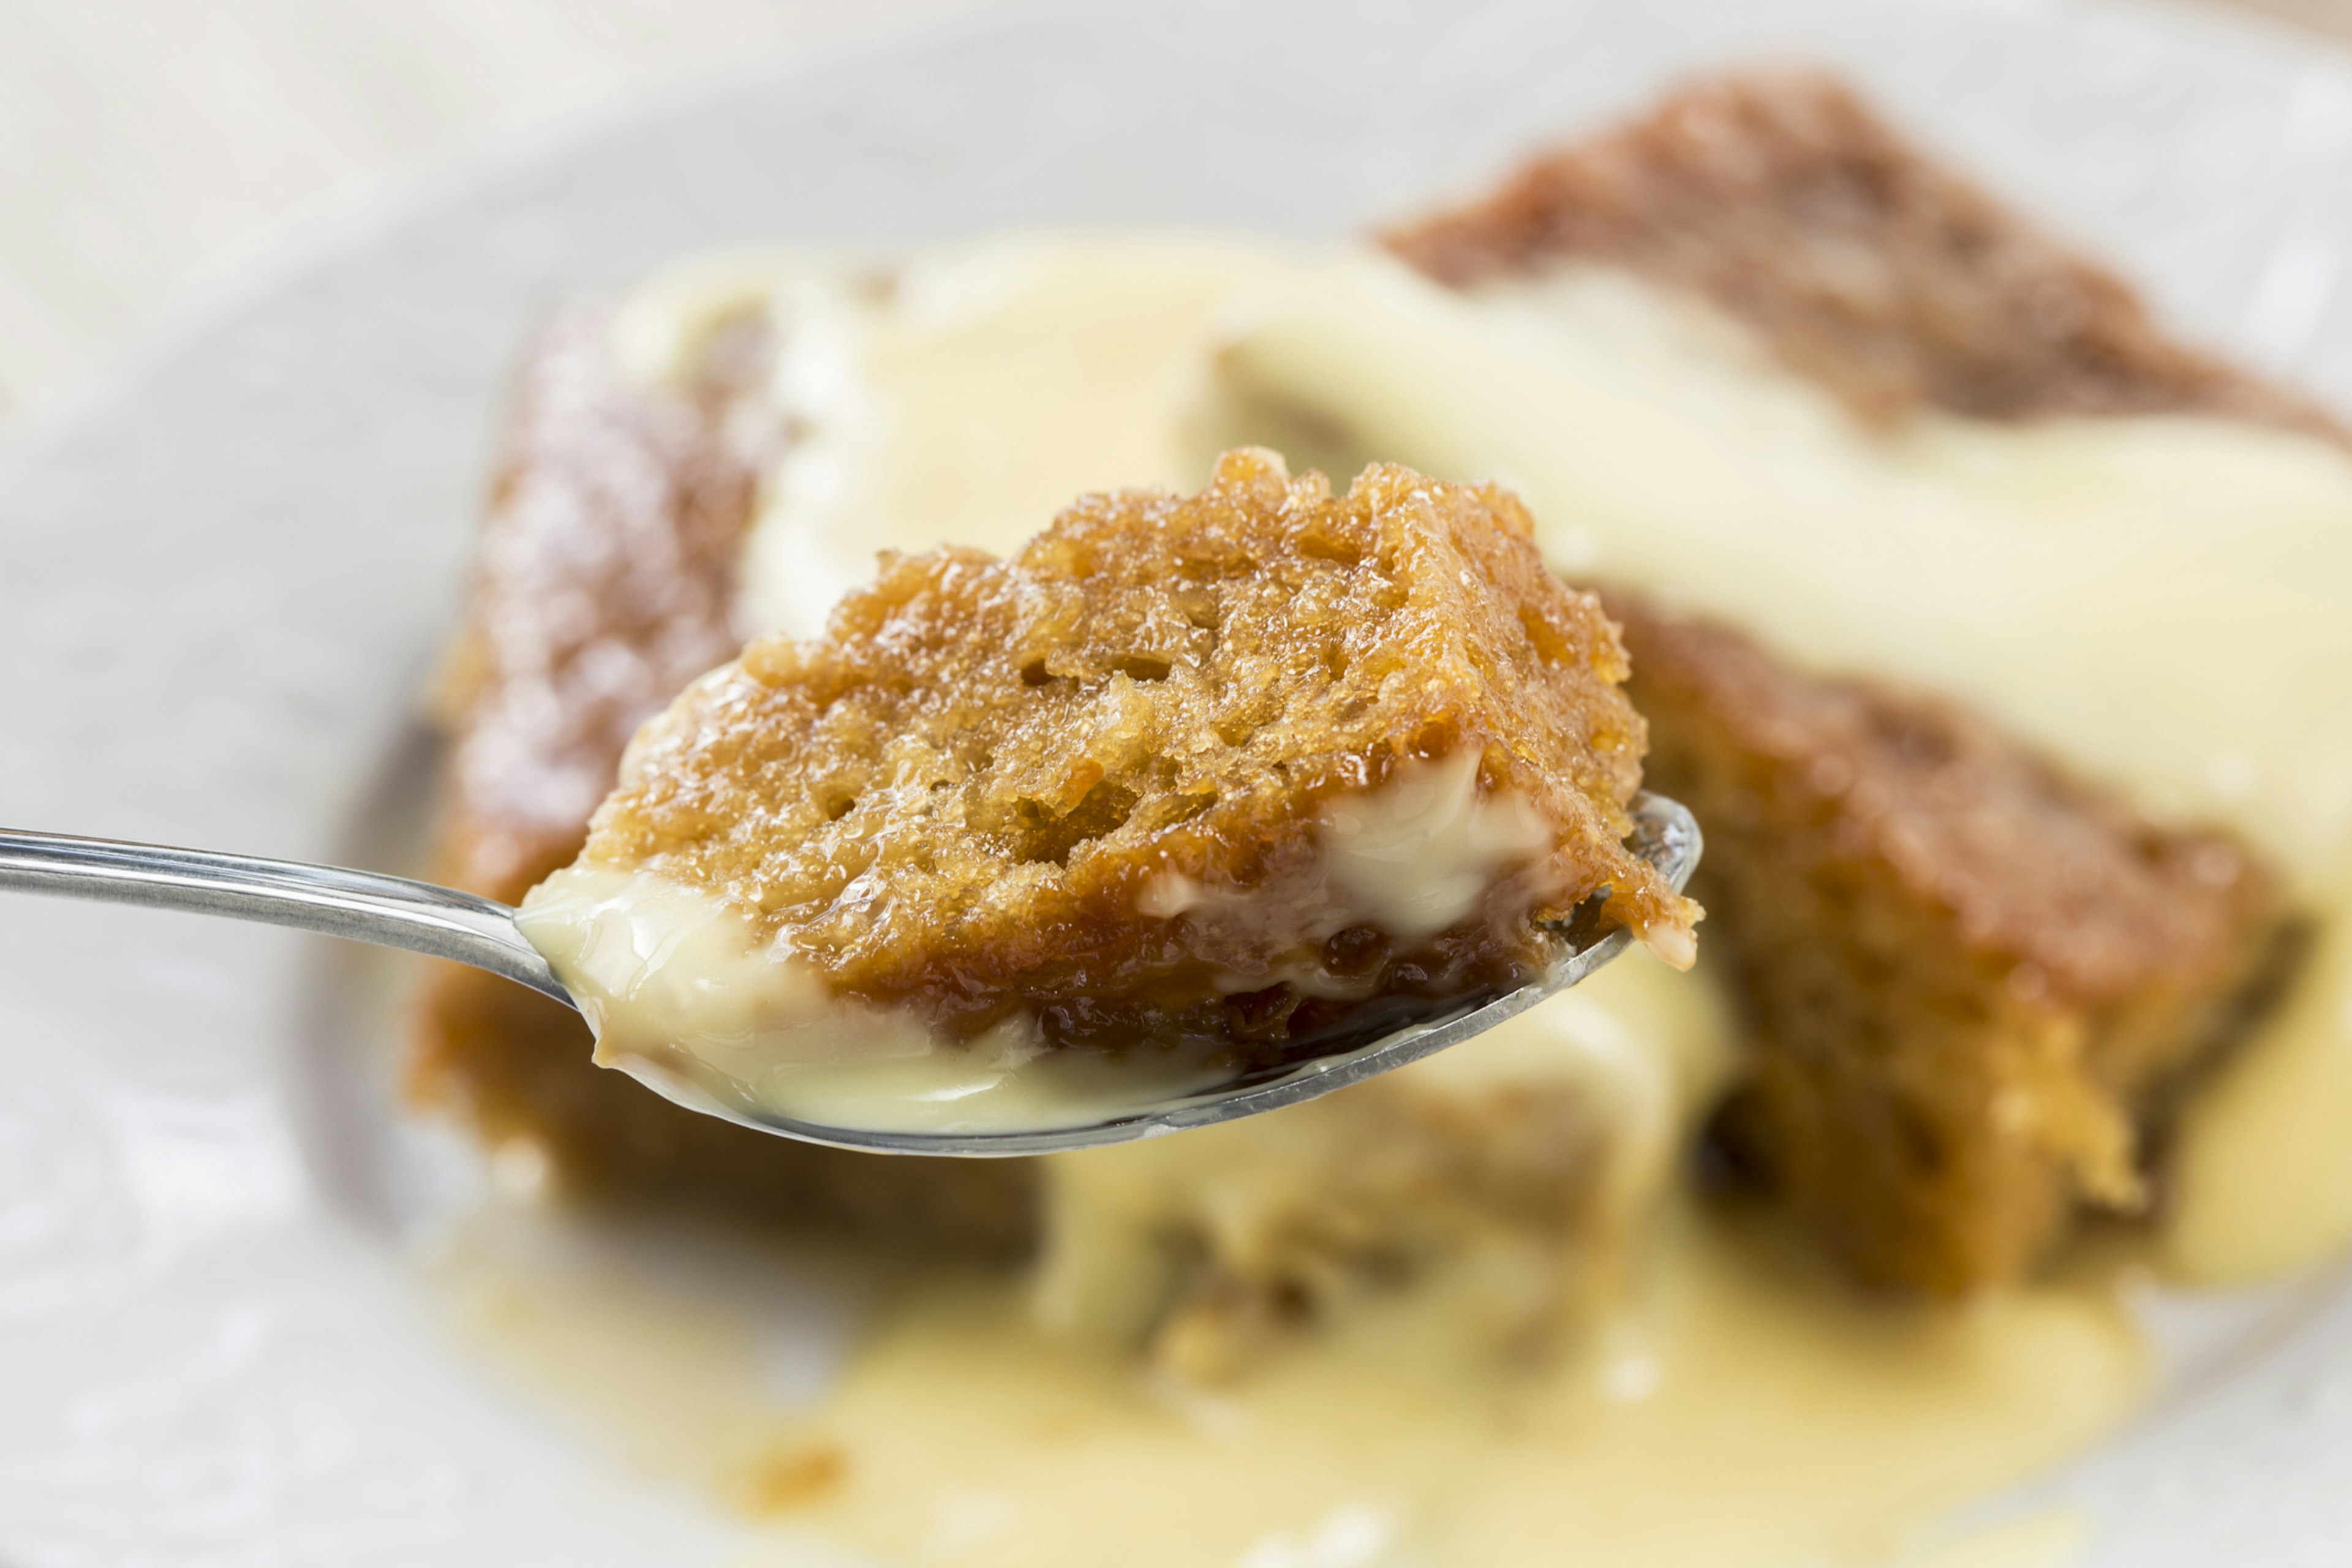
[(1859, 262), (1965, 973), (975, 793), (601, 585)]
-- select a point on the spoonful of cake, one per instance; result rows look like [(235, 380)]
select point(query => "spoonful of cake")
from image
[(1194, 807)]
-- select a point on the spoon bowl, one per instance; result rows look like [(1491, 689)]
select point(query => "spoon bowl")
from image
[(443, 922)]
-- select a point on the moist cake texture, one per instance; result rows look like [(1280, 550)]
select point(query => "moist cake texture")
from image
[(1209, 769), (1965, 976)]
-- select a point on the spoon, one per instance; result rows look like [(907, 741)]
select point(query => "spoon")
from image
[(393, 911)]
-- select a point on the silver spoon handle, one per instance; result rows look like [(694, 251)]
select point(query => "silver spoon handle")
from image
[(391, 911)]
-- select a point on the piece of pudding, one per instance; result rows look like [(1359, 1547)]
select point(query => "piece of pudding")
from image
[(1969, 977), (1182, 787), (1987, 821)]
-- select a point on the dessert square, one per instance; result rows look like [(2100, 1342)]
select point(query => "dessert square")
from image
[(1206, 772), (1967, 977)]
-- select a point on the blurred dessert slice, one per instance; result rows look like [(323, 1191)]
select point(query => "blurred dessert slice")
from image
[(1987, 974), (1204, 775), (1968, 979)]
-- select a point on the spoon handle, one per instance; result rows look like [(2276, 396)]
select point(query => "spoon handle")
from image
[(391, 911)]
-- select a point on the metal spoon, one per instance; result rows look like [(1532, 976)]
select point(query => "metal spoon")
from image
[(393, 912)]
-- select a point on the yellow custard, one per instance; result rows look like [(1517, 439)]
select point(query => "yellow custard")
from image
[(1738, 1409)]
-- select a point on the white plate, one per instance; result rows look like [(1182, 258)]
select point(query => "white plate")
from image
[(221, 586)]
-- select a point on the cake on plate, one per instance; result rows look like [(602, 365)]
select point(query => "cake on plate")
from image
[(1799, 229)]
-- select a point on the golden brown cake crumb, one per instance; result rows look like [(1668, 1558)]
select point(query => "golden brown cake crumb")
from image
[(1862, 263), (1208, 768), (1965, 973)]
